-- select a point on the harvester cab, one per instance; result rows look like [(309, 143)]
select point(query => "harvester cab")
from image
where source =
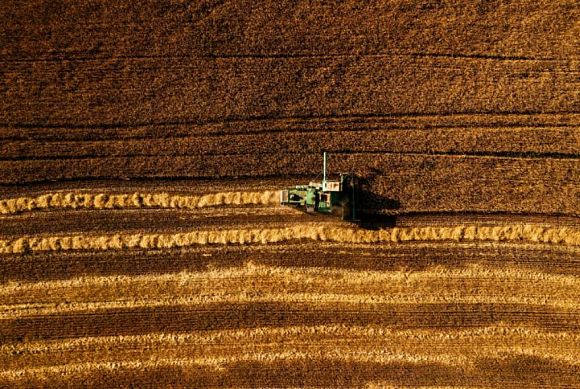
[(335, 197)]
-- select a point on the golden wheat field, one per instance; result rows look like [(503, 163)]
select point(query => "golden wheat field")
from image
[(143, 147)]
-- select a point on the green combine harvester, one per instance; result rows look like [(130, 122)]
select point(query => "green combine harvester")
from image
[(330, 197)]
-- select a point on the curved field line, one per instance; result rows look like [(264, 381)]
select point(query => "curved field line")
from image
[(46, 373), (221, 363), (259, 283), (475, 284), (303, 275), (314, 299), (500, 334), (75, 200), (510, 233)]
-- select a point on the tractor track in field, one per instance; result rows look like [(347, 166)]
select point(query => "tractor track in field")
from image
[(539, 141), (405, 124)]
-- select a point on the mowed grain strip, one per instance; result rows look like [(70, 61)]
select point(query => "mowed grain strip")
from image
[(152, 220), (311, 286), (414, 340), (324, 368), (80, 200), (412, 256), (222, 349), (509, 233), (170, 283), (8, 312), (290, 354)]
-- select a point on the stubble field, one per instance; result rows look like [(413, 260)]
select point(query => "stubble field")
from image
[(142, 148)]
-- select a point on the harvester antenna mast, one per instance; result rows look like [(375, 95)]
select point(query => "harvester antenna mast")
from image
[(324, 168)]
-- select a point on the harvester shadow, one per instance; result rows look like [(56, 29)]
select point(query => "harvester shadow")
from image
[(376, 211), (370, 221)]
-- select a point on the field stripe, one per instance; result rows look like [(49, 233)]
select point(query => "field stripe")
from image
[(314, 300), (79, 200), (251, 284), (220, 316), (62, 371), (221, 363), (260, 283), (509, 233), (305, 275), (270, 334), (433, 339)]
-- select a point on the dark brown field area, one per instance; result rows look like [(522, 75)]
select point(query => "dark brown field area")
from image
[(143, 146)]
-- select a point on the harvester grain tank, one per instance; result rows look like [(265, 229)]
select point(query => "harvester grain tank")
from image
[(334, 197)]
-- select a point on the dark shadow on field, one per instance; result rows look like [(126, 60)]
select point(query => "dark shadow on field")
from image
[(370, 207), (373, 221), (370, 203)]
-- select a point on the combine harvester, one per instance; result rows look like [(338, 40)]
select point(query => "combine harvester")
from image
[(330, 197)]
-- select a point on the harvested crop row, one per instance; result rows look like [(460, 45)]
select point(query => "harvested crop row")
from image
[(514, 233), (218, 349), (461, 340), (313, 301), (155, 220), (251, 284), (265, 276), (185, 367), (151, 220), (183, 186), (76, 200), (413, 256), (222, 349)]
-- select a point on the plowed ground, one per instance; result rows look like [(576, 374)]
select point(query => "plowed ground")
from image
[(142, 145)]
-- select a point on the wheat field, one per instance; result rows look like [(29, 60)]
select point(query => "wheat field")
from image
[(143, 147)]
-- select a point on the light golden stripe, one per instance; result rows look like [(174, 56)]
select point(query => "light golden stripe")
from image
[(492, 336), (218, 349), (75, 200), (316, 299), (278, 275), (73, 369), (510, 233), (472, 282), (381, 356)]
